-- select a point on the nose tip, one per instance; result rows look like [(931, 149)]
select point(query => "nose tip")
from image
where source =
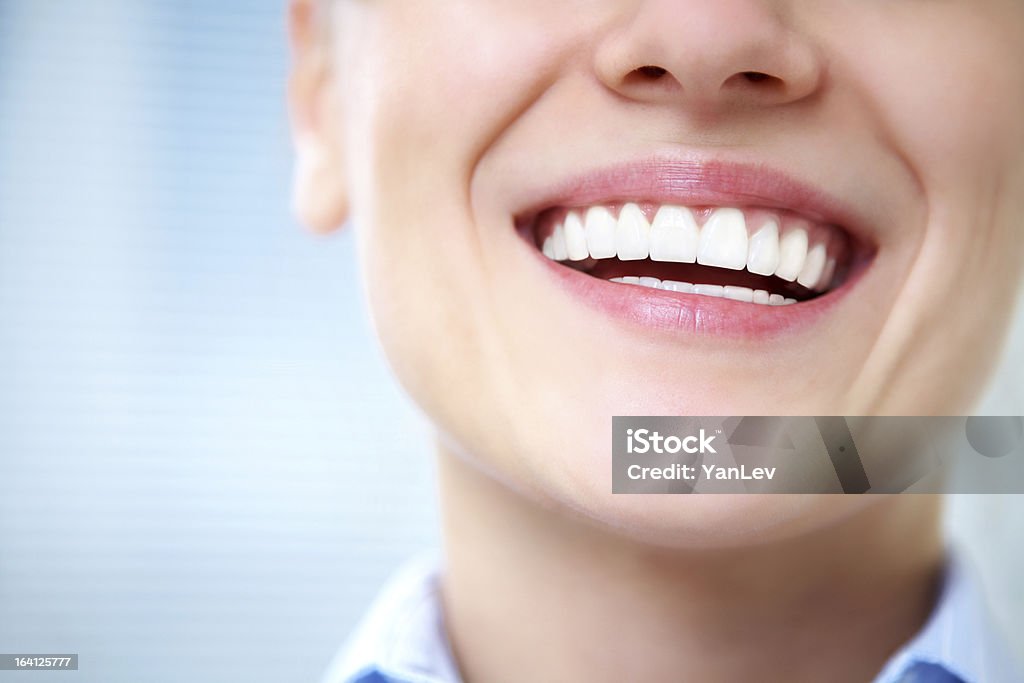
[(710, 55)]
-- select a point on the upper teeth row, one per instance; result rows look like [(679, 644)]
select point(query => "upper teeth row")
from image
[(674, 235)]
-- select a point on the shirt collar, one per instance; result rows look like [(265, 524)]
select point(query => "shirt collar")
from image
[(402, 639), (960, 635)]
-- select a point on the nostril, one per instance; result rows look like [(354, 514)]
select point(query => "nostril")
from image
[(759, 77), (755, 81), (649, 77), (651, 72)]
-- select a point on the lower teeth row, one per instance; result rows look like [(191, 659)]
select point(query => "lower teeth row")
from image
[(750, 296)]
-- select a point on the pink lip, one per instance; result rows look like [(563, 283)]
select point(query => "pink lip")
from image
[(701, 183), (674, 313), (694, 183)]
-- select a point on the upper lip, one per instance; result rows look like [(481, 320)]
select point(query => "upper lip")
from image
[(701, 182)]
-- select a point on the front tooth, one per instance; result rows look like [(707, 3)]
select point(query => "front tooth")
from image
[(723, 240), (709, 290), (814, 266), (763, 255), (575, 238), (632, 234), (558, 244), (792, 254), (600, 231), (674, 235), (740, 294), (762, 297)]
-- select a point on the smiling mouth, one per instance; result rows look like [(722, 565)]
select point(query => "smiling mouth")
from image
[(751, 255)]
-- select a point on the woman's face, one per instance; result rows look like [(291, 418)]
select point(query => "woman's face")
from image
[(864, 158)]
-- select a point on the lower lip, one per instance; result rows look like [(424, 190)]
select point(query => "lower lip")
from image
[(678, 314)]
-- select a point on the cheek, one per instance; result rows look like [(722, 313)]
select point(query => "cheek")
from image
[(944, 84), (437, 82), (434, 85), (947, 91), (950, 96), (965, 137)]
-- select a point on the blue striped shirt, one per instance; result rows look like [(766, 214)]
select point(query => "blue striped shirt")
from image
[(402, 638)]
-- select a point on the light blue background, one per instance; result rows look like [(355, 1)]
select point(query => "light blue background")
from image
[(205, 468)]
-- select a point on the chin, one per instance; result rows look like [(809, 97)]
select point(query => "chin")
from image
[(711, 521)]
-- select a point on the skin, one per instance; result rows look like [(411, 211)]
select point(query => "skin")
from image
[(432, 125)]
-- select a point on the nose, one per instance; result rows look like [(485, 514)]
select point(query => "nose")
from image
[(710, 55)]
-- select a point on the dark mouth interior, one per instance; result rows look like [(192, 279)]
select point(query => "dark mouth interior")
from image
[(693, 273)]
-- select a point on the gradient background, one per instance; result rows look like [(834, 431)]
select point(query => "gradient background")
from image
[(205, 468)]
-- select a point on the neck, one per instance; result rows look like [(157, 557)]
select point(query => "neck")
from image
[(536, 593)]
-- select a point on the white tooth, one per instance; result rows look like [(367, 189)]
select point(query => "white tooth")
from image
[(709, 290), (792, 254), (558, 244), (575, 238), (549, 248), (652, 282), (723, 240), (761, 297), (674, 286), (827, 276), (740, 294), (763, 255), (776, 300), (632, 234), (616, 279), (600, 229), (814, 266), (790, 302), (674, 235), (631, 280)]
